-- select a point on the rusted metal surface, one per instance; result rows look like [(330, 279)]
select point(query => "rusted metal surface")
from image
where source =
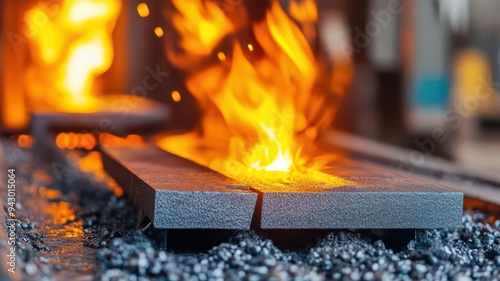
[(176, 193)]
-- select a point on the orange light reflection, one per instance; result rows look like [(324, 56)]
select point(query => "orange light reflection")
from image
[(25, 141), (92, 163)]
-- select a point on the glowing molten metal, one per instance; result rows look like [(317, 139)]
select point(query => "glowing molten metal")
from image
[(256, 84), (71, 48)]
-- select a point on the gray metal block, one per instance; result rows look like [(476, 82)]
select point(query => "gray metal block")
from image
[(177, 194), (373, 199), (116, 114)]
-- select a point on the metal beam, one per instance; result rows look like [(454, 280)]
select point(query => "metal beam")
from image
[(177, 194), (374, 198), (113, 114)]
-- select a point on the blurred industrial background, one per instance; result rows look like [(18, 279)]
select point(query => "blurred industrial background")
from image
[(426, 73), (90, 90)]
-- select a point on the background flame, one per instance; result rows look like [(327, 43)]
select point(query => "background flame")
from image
[(261, 105), (72, 48)]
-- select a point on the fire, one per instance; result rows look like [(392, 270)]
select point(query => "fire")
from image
[(262, 109), (69, 52)]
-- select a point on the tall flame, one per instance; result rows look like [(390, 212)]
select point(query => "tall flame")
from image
[(261, 105), (69, 51)]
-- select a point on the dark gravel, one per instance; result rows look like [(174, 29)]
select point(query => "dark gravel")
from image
[(468, 253)]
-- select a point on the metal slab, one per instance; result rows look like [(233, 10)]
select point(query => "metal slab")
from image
[(374, 198), (116, 114), (177, 194), (475, 182)]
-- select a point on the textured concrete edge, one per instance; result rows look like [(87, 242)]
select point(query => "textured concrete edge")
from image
[(126, 179), (214, 210), (349, 210)]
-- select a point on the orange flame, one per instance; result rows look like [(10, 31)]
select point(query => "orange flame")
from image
[(68, 52), (261, 106)]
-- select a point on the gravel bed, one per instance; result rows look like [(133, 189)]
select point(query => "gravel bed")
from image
[(468, 253), (120, 250)]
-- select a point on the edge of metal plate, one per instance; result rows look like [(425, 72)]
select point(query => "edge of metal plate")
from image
[(168, 197)]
